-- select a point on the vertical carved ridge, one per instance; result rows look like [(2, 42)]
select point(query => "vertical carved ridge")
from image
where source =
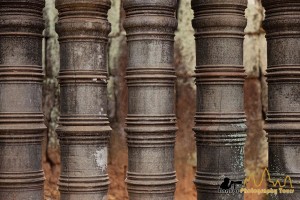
[(282, 24), (151, 121), (21, 118), (83, 126), (220, 128)]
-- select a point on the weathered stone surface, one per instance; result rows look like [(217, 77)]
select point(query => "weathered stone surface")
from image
[(150, 27), (185, 61), (282, 25), (220, 119), (256, 147), (254, 43), (21, 118), (185, 54), (117, 90), (83, 126), (51, 62), (51, 153)]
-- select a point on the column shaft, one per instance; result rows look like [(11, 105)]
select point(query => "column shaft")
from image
[(21, 118), (83, 126), (220, 120), (150, 27), (282, 24)]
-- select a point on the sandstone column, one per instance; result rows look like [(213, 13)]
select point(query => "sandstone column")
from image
[(282, 25), (21, 118), (150, 27), (83, 126), (220, 120)]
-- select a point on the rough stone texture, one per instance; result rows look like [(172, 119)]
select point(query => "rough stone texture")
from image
[(21, 117), (185, 61), (256, 144), (220, 119), (282, 25), (51, 68), (117, 90), (256, 147), (150, 75), (51, 153), (185, 43), (185, 102), (83, 124), (254, 42)]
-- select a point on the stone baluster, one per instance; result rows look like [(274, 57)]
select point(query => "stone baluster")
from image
[(282, 24), (151, 123), (21, 118), (83, 126), (220, 119)]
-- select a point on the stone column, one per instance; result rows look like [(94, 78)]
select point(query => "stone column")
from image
[(150, 27), (282, 24), (21, 118), (83, 126), (220, 119)]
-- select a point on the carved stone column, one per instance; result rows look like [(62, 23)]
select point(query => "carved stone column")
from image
[(150, 27), (220, 120), (21, 118), (83, 126), (282, 25)]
